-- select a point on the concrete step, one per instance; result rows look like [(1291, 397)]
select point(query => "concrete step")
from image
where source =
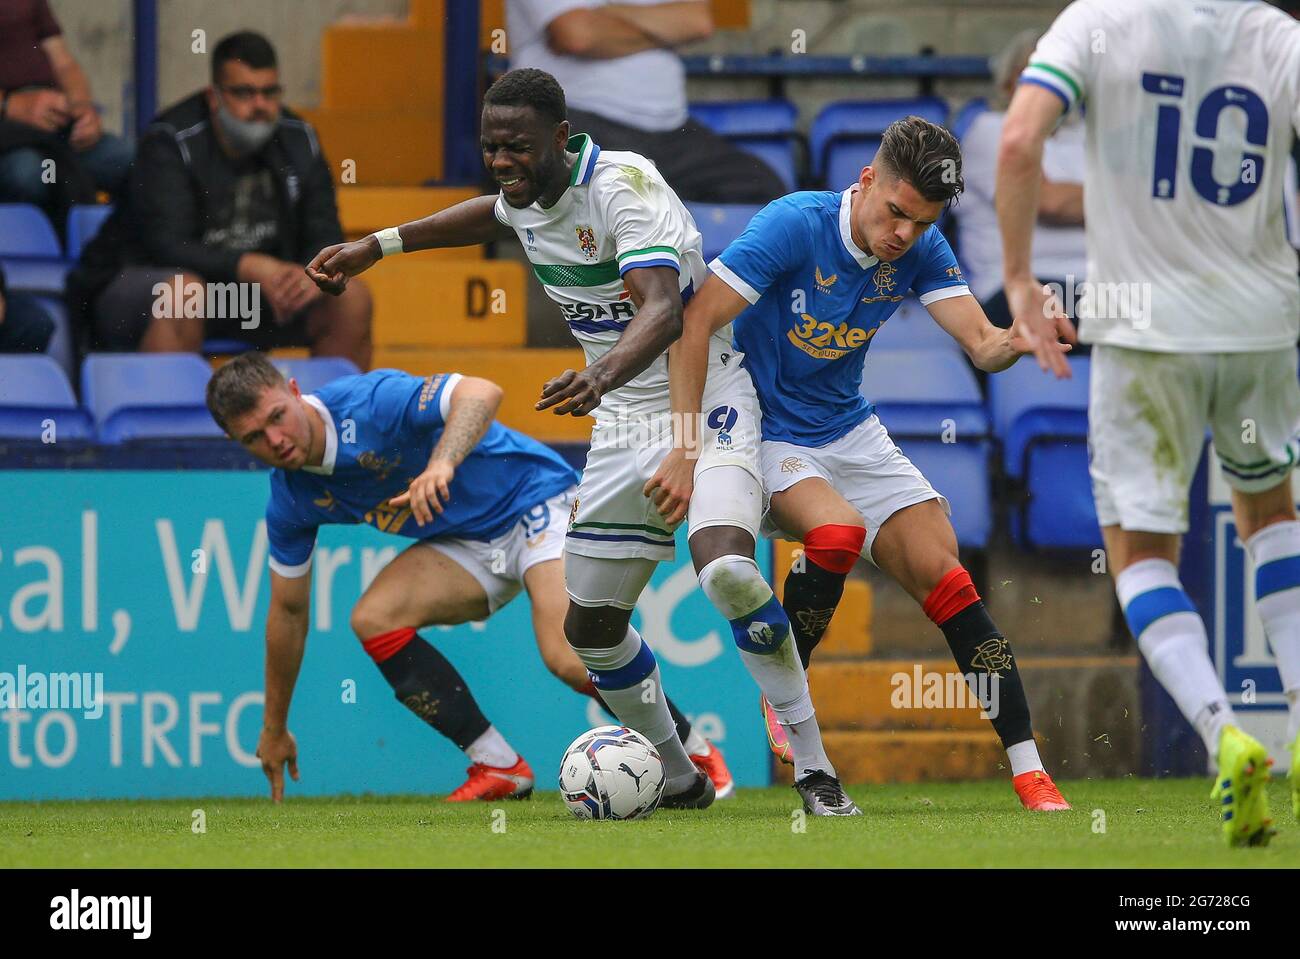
[(908, 757)]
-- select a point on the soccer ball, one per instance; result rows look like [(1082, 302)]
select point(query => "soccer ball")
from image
[(611, 772)]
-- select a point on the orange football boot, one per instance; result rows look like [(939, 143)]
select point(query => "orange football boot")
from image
[(777, 740), (715, 767), (1037, 792), (490, 783)]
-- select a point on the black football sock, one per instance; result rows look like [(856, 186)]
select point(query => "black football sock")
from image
[(810, 600), (427, 684), (980, 651)]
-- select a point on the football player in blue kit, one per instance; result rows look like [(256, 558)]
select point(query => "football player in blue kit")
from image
[(485, 505), (809, 283)]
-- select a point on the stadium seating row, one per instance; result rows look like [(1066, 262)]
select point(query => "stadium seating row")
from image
[(929, 400)]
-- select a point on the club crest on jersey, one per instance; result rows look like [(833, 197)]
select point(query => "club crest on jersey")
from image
[(824, 283), (587, 241), (885, 282), (372, 461)]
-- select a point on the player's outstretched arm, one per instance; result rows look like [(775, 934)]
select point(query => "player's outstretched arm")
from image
[(286, 638), (710, 310), (474, 403), (1030, 119), (464, 224), (658, 322), (991, 349)]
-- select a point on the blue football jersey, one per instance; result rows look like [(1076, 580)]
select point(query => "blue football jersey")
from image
[(380, 429), (816, 302)]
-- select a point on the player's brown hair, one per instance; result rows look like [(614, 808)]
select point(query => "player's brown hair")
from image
[(236, 387), (924, 155)]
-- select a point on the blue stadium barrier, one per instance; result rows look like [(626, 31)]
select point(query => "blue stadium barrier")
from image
[(845, 134), (930, 402), (913, 328), (1042, 424), (29, 250), (314, 372), (720, 223), (84, 221), (37, 403), (155, 396), (966, 116), (765, 128)]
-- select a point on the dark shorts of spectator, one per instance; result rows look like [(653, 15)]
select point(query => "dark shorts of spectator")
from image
[(699, 165), (123, 310), (26, 327)]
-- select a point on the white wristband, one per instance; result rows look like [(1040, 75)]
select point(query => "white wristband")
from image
[(390, 241)]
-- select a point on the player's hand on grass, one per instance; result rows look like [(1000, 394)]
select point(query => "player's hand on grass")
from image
[(575, 392), (331, 267), (427, 492), (275, 749), (1038, 324), (672, 485)]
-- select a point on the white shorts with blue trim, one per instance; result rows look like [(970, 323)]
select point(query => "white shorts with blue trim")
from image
[(614, 519), (1147, 417), (499, 564)]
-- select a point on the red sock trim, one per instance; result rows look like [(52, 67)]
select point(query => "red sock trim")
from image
[(834, 547), (953, 594), (387, 645), (589, 690)]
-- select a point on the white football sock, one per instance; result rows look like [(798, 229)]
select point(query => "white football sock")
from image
[(491, 749), (1172, 637), (627, 677), (1275, 550), (758, 624), (1024, 757)]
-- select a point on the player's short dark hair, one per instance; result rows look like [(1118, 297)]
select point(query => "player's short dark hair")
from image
[(527, 87), (236, 387), (924, 155), (246, 46)]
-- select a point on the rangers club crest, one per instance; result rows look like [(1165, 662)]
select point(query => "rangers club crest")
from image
[(587, 241)]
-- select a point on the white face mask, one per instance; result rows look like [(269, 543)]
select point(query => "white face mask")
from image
[(245, 136)]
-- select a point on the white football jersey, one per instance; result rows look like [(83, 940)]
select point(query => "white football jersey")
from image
[(1191, 107), (617, 214)]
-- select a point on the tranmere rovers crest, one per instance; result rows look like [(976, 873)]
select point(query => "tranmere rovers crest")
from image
[(587, 241)]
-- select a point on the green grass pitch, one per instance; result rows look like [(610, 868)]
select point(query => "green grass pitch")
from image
[(1167, 823)]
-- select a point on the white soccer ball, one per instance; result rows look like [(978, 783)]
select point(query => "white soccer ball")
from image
[(611, 772)]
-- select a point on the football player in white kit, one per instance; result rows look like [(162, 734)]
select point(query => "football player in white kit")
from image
[(1191, 112), (616, 249)]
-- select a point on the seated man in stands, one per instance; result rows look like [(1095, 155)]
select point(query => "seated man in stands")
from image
[(627, 88), (1059, 254), (230, 192), (47, 113)]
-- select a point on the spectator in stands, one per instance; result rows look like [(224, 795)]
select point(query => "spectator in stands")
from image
[(1059, 238), (47, 113), (228, 186), (627, 88), (24, 326)]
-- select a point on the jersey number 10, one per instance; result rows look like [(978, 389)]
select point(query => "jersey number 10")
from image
[(1169, 121)]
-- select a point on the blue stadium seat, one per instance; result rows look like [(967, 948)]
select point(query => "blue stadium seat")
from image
[(29, 250), (930, 402), (765, 128), (845, 134), (314, 372), (61, 347), (912, 328), (966, 115), (154, 396), (720, 223), (84, 221), (34, 390), (1042, 424)]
